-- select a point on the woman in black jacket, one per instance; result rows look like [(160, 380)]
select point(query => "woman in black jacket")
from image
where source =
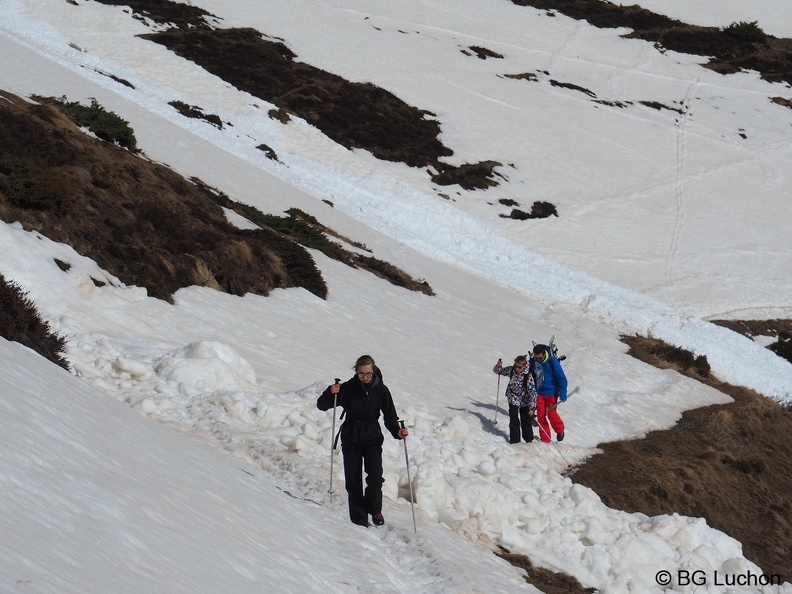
[(363, 397)]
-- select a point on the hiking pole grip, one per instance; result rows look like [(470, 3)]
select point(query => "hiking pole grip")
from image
[(332, 441), (409, 480)]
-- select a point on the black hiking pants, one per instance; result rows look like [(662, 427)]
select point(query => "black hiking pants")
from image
[(356, 457), (520, 422)]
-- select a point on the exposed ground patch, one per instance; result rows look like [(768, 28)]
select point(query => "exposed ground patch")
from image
[(545, 580), (144, 223), (355, 115), (730, 464), (777, 333), (732, 48)]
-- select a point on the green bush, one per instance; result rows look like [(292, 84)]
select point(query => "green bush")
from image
[(20, 322), (746, 31), (105, 124)]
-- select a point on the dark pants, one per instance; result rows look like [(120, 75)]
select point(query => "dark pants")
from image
[(520, 422), (357, 457)]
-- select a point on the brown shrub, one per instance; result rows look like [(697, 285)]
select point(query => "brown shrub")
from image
[(138, 220), (729, 464), (356, 115), (20, 322)]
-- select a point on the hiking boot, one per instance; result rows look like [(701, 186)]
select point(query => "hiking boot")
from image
[(560, 436), (378, 519)]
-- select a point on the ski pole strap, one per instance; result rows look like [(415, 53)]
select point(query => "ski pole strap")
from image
[(335, 441)]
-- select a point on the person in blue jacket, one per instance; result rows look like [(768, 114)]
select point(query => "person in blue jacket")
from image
[(363, 398), (551, 387)]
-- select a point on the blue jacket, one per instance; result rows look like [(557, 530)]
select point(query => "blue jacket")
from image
[(549, 376)]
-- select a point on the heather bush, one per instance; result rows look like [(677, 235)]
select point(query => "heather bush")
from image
[(105, 124), (20, 322), (746, 31)]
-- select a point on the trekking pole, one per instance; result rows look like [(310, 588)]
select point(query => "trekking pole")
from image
[(332, 441), (542, 429), (409, 480), (497, 393), (555, 406)]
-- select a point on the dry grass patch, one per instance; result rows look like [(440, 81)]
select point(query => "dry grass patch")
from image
[(138, 220), (545, 580), (729, 464)]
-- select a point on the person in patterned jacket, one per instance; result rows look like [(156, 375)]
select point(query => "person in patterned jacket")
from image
[(521, 395)]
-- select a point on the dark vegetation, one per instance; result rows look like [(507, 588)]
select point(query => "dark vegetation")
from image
[(105, 124), (573, 87), (193, 111), (362, 116), (545, 580), (139, 220), (269, 151), (482, 52), (729, 464), (306, 230), (119, 80), (355, 115), (732, 48), (539, 210), (20, 322), (529, 76), (475, 176), (780, 329)]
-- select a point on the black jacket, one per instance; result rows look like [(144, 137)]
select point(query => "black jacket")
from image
[(362, 405)]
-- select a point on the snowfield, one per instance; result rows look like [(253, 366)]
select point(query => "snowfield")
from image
[(185, 452)]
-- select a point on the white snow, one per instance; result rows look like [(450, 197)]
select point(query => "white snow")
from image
[(185, 452)]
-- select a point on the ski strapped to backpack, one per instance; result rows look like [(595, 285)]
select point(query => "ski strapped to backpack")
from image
[(554, 354)]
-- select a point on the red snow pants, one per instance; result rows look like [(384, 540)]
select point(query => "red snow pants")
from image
[(543, 403)]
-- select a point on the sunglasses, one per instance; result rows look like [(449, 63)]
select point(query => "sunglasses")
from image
[(365, 374)]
